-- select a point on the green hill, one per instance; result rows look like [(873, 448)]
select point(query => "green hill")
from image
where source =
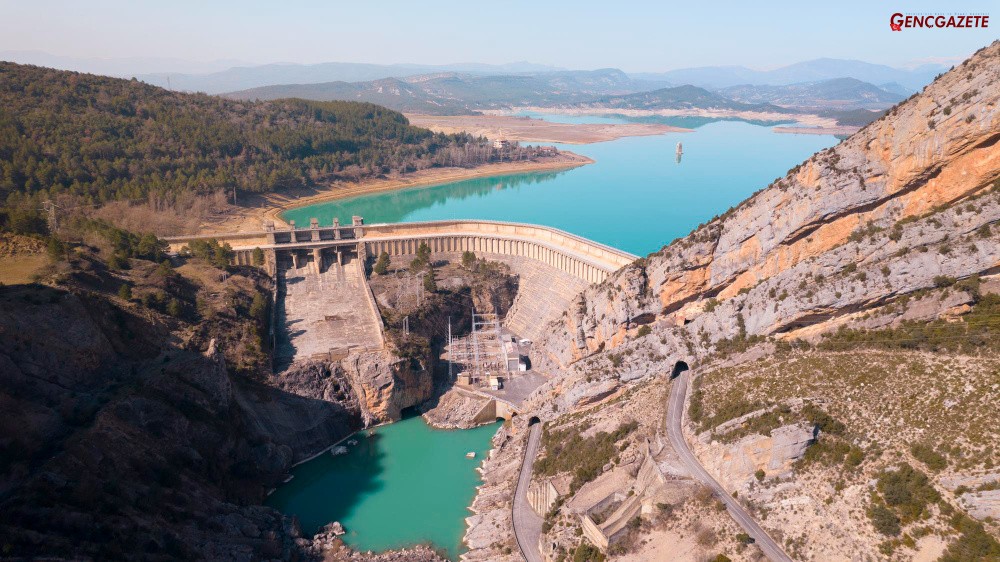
[(102, 139), (679, 97), (838, 93)]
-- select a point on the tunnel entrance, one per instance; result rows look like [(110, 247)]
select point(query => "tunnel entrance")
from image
[(679, 367), (533, 420)]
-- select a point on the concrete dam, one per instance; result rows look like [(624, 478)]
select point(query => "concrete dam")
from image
[(322, 282)]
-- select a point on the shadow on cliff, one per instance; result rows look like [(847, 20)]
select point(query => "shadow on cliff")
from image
[(284, 349)]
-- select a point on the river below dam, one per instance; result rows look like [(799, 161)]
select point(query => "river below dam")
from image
[(408, 483), (403, 484)]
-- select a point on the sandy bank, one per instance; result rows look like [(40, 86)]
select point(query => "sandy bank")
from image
[(803, 119), (837, 130), (253, 210), (526, 129)]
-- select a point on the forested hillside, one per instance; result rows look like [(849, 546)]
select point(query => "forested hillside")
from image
[(102, 139), (680, 97)]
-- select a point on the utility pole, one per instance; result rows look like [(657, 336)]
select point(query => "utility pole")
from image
[(450, 377), (406, 327), (475, 345), (53, 221)]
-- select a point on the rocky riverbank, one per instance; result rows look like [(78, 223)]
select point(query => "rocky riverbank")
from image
[(326, 545), (456, 409), (490, 532)]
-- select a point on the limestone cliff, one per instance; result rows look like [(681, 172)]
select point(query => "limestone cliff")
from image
[(386, 384), (895, 184)]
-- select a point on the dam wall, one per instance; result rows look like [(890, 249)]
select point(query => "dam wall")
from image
[(552, 266), (588, 261)]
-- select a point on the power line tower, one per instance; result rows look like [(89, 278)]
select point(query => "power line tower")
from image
[(481, 353)]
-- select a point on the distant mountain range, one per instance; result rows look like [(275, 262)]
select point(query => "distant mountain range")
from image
[(898, 80), (843, 93), (817, 85), (808, 71), (119, 67), (222, 76), (457, 93), (247, 77)]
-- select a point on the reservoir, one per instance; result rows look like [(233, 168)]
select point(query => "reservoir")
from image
[(410, 484), (405, 484), (635, 197)]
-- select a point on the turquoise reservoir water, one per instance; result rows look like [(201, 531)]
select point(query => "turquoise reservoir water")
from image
[(406, 484), (636, 196)]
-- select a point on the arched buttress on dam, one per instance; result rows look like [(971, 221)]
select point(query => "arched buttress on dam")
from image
[(490, 246)]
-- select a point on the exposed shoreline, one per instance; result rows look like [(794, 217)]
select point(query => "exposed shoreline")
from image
[(268, 207), (531, 129), (837, 130), (803, 118)]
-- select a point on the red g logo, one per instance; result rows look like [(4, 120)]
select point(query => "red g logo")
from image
[(896, 22)]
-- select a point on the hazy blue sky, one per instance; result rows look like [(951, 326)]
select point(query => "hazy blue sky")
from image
[(634, 36)]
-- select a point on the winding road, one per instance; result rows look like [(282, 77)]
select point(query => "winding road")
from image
[(675, 412), (527, 523)]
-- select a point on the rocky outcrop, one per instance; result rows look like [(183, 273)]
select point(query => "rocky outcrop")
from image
[(386, 384), (982, 505), (586, 393), (459, 409), (326, 545), (852, 226), (138, 437), (494, 293), (736, 463), (121, 440), (789, 443)]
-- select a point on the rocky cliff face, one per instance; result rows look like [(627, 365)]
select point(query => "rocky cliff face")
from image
[(386, 384), (893, 230), (911, 180), (122, 439)]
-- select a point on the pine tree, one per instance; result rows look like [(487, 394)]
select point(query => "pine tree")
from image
[(468, 259), (430, 284), (382, 265)]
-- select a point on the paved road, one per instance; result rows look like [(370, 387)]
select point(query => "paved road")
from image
[(527, 523), (678, 395)]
